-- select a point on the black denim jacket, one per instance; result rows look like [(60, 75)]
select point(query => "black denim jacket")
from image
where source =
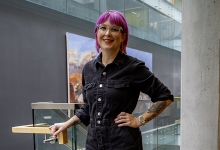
[(109, 90)]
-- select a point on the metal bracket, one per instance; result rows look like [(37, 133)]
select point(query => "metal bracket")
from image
[(51, 139)]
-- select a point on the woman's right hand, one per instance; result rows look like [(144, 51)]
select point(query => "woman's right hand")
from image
[(57, 128)]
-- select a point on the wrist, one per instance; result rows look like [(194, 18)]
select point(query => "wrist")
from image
[(138, 122), (141, 119)]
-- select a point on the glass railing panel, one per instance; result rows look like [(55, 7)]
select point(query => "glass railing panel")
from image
[(46, 117), (166, 137), (164, 130), (59, 5), (144, 21), (172, 138), (149, 140), (161, 28), (161, 132), (92, 4), (82, 11), (168, 124), (79, 136)]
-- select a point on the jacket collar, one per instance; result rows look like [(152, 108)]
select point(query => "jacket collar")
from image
[(119, 59)]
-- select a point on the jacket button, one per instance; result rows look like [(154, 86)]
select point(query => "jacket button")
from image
[(104, 73), (98, 122), (100, 85), (99, 113), (99, 99)]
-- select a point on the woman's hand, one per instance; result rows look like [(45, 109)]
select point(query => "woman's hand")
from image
[(57, 128), (126, 119)]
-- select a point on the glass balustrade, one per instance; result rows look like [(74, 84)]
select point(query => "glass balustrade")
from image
[(46, 114), (156, 21), (162, 133)]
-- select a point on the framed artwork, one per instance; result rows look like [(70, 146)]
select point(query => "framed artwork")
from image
[(80, 50)]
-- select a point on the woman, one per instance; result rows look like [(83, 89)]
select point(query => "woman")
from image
[(111, 86)]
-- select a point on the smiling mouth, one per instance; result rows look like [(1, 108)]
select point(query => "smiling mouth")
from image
[(108, 40)]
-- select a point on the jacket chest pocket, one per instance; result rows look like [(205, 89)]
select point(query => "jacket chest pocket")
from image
[(89, 91), (117, 91)]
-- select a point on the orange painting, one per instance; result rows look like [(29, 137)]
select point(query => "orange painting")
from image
[(80, 50)]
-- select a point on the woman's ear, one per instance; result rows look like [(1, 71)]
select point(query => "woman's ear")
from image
[(123, 37)]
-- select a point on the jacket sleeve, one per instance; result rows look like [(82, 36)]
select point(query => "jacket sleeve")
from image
[(145, 81), (83, 112)]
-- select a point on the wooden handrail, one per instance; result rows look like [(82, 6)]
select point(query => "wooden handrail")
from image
[(62, 136)]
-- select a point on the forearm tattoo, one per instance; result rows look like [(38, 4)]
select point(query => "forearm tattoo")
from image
[(156, 109)]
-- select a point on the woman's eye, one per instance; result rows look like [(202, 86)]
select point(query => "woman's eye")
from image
[(114, 29), (102, 28)]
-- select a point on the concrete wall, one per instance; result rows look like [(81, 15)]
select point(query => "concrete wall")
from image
[(33, 63), (200, 75)]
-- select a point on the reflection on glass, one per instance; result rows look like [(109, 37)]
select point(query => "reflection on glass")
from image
[(47, 117), (144, 21), (163, 131)]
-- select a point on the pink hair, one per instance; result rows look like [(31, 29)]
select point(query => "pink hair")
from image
[(115, 17)]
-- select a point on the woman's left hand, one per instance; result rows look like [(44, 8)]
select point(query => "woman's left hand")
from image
[(126, 119)]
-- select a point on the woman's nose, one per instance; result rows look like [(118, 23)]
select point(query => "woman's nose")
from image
[(107, 31)]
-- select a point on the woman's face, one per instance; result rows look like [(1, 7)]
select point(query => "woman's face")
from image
[(109, 36)]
